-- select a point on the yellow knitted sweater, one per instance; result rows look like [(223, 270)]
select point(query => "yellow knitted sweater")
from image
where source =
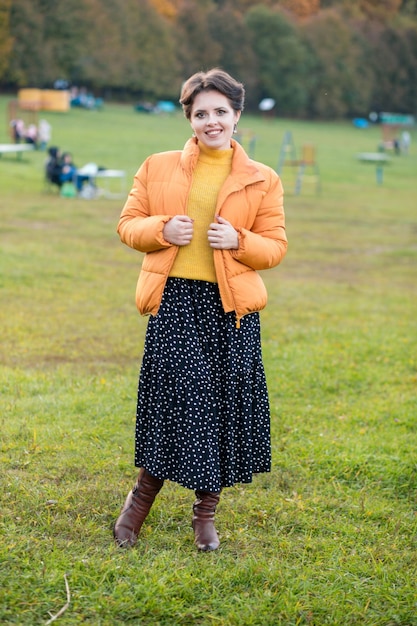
[(195, 261)]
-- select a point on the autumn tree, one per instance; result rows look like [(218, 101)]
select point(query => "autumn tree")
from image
[(282, 61), (394, 64), (64, 36), (139, 56), (48, 39), (301, 8), (155, 68), (196, 49), (409, 7), (5, 38), (229, 31), (26, 62), (342, 79), (166, 8), (242, 6), (380, 9), (116, 44), (320, 58)]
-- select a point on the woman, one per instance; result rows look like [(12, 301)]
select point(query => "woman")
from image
[(70, 173), (207, 218)]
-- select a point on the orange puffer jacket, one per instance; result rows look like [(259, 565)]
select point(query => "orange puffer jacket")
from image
[(251, 199)]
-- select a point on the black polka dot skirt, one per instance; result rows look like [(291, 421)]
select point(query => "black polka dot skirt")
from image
[(203, 416)]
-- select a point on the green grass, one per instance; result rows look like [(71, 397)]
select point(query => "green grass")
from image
[(329, 537)]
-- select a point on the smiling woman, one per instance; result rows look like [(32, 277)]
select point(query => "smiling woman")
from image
[(207, 218), (213, 120)]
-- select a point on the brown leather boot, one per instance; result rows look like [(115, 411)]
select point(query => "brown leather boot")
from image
[(204, 508), (136, 508)]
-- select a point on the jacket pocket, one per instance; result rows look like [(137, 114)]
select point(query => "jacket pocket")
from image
[(249, 292)]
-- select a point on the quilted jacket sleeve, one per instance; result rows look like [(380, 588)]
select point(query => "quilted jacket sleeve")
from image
[(264, 245), (137, 228)]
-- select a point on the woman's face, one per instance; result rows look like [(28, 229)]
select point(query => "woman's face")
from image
[(213, 119)]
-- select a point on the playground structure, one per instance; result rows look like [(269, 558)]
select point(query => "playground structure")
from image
[(307, 169), (247, 138), (30, 102), (29, 116)]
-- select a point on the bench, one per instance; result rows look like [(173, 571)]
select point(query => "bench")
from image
[(17, 148)]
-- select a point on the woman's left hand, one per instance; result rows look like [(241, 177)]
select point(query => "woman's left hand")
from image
[(222, 235)]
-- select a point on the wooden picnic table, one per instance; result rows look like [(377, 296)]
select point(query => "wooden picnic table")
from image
[(17, 148)]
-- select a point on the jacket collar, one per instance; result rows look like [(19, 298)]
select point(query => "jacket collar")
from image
[(244, 170)]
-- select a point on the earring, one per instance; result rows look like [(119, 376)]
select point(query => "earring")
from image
[(235, 129)]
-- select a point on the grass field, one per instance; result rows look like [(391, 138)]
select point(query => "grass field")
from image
[(329, 537)]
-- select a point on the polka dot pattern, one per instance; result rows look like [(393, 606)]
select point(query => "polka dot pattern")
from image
[(203, 413)]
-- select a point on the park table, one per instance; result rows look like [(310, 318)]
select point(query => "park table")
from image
[(379, 159)]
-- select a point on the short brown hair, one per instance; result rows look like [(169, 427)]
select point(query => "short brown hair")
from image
[(213, 80)]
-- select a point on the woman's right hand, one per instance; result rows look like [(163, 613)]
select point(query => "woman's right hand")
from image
[(179, 230)]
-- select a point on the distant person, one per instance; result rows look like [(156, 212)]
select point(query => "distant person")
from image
[(44, 134), (70, 173), (68, 169), (31, 135), (405, 141), (54, 166), (18, 129), (207, 218)]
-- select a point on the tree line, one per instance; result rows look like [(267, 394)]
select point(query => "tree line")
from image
[(316, 58)]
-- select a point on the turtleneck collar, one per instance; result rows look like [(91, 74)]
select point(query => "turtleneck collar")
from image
[(212, 154)]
